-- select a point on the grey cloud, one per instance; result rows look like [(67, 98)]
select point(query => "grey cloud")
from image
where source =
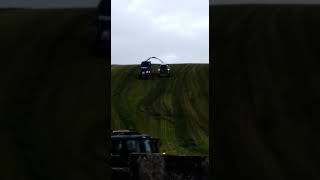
[(135, 37)]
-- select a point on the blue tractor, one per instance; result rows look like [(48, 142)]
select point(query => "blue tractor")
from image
[(145, 69)]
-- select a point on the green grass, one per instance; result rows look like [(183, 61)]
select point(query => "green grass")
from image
[(174, 109), (52, 96)]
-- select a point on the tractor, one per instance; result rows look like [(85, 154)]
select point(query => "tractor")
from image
[(145, 69), (125, 142), (136, 156), (164, 70)]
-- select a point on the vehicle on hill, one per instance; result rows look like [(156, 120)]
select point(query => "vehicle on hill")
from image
[(164, 70), (145, 70)]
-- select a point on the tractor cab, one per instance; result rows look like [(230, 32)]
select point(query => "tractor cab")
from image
[(125, 142), (145, 70)]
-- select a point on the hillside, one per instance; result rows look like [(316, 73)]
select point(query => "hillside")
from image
[(52, 96), (174, 109), (266, 90)]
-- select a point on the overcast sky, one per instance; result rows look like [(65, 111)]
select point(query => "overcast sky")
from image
[(170, 30)]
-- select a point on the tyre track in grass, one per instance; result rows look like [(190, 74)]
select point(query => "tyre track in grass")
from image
[(160, 106)]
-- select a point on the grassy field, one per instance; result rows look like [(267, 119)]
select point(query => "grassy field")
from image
[(266, 90), (174, 109), (52, 96)]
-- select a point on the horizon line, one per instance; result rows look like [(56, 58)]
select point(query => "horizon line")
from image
[(159, 63)]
